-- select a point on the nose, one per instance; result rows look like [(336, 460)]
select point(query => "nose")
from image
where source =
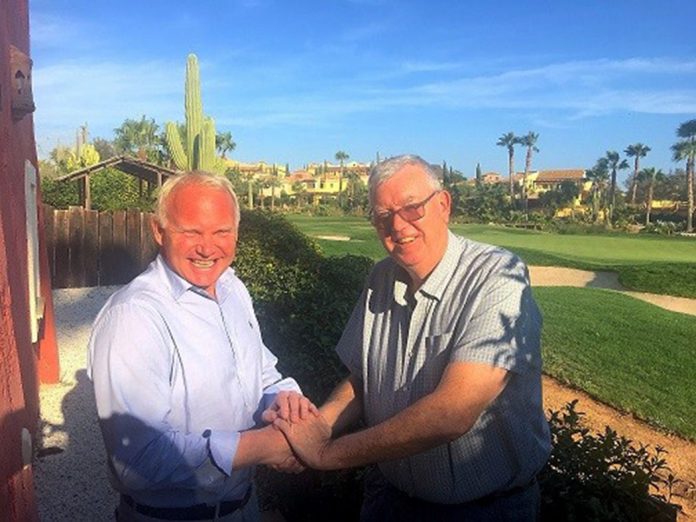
[(398, 223), (205, 246)]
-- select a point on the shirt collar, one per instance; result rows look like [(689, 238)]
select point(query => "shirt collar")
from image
[(437, 281), (178, 286)]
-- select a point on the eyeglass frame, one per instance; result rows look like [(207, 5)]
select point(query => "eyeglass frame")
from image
[(385, 220)]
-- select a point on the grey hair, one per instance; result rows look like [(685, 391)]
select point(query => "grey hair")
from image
[(195, 177), (384, 170)]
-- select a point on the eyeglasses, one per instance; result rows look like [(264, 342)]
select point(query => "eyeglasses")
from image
[(410, 213)]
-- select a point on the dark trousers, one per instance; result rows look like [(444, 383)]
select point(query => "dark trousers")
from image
[(384, 503)]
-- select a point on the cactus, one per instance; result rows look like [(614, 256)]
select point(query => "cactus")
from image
[(199, 153)]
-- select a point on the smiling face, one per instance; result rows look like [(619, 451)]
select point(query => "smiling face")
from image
[(417, 246), (199, 238)]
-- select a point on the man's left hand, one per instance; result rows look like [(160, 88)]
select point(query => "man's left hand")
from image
[(290, 406)]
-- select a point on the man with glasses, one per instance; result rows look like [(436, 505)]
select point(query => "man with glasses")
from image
[(443, 350)]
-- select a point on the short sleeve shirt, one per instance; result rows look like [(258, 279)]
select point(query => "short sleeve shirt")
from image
[(475, 306)]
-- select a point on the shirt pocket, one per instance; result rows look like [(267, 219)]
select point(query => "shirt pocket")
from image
[(438, 343)]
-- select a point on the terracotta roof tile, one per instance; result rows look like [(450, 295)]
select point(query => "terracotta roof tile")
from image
[(555, 176)]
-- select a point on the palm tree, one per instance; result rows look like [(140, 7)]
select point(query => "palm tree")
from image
[(300, 191), (636, 151), (528, 141), (649, 177), (138, 138), (509, 140), (273, 182), (614, 164), (599, 174), (687, 151), (250, 189), (224, 143), (341, 156)]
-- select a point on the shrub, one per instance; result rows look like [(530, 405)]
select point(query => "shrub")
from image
[(664, 228), (303, 301), (602, 476)]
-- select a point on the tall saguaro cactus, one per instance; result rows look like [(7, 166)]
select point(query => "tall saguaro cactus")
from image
[(199, 153)]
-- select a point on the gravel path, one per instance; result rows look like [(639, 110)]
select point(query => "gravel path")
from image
[(70, 472)]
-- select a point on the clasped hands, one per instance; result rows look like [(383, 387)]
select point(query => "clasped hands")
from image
[(304, 428)]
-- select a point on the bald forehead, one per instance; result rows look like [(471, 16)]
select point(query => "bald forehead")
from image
[(207, 197)]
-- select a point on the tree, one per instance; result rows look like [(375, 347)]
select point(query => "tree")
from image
[(105, 148), (300, 191), (224, 143), (649, 177), (614, 163), (138, 138), (509, 140), (528, 141), (599, 175), (273, 182), (479, 176), (484, 203), (635, 151), (341, 156), (686, 150)]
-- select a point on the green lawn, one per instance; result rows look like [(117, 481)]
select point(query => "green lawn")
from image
[(627, 353), (645, 263)]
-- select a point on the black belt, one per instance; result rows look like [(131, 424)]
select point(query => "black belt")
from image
[(197, 512)]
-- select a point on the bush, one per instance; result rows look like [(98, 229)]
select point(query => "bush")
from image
[(303, 301), (602, 476), (663, 228)]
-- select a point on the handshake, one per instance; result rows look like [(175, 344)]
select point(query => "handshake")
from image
[(307, 434)]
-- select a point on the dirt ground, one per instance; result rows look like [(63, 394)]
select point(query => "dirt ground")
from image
[(681, 453)]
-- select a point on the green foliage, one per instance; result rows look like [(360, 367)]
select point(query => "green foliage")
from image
[(663, 228), (87, 156), (484, 203), (59, 194), (138, 138), (111, 190), (603, 476), (303, 299)]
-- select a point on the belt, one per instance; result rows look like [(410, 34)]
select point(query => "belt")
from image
[(197, 512)]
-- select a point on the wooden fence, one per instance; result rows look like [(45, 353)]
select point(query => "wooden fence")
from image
[(92, 248)]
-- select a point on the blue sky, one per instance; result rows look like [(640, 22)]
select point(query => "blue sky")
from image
[(296, 81)]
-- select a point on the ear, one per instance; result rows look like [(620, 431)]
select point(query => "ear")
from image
[(157, 231), (444, 204)]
